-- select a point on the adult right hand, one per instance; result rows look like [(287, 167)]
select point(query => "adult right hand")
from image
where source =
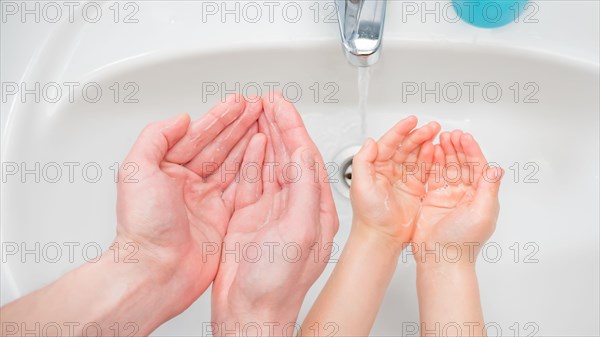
[(289, 220)]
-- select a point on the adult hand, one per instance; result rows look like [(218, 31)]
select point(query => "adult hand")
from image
[(287, 217), (178, 210), (167, 213)]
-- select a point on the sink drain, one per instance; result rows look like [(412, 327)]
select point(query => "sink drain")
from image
[(343, 177)]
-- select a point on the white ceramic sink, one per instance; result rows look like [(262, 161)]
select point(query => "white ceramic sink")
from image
[(549, 214), (544, 131)]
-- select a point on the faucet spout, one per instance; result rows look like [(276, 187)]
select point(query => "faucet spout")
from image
[(361, 27)]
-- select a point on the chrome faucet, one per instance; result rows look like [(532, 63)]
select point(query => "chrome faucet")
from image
[(361, 25)]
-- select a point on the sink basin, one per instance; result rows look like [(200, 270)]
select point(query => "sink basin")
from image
[(539, 274)]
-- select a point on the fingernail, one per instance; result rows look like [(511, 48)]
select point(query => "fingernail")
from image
[(232, 98), (253, 99), (308, 157), (176, 120), (498, 173), (369, 142), (278, 106)]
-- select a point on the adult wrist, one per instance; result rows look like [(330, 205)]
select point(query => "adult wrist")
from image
[(165, 283), (266, 322)]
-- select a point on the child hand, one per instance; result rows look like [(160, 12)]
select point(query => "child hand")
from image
[(389, 180), (461, 206)]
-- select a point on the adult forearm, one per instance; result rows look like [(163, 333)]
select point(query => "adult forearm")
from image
[(109, 297)]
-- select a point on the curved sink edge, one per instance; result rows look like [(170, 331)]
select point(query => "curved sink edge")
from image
[(160, 56)]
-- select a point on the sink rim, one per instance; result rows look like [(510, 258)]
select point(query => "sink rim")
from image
[(158, 57)]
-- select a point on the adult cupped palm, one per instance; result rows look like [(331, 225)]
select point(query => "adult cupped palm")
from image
[(179, 204), (281, 233)]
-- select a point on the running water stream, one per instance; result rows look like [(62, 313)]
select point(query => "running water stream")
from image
[(364, 77)]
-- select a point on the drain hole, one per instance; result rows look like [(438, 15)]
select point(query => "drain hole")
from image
[(344, 175), (347, 172)]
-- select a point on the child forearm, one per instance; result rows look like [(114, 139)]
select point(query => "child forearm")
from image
[(353, 294), (449, 299)]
